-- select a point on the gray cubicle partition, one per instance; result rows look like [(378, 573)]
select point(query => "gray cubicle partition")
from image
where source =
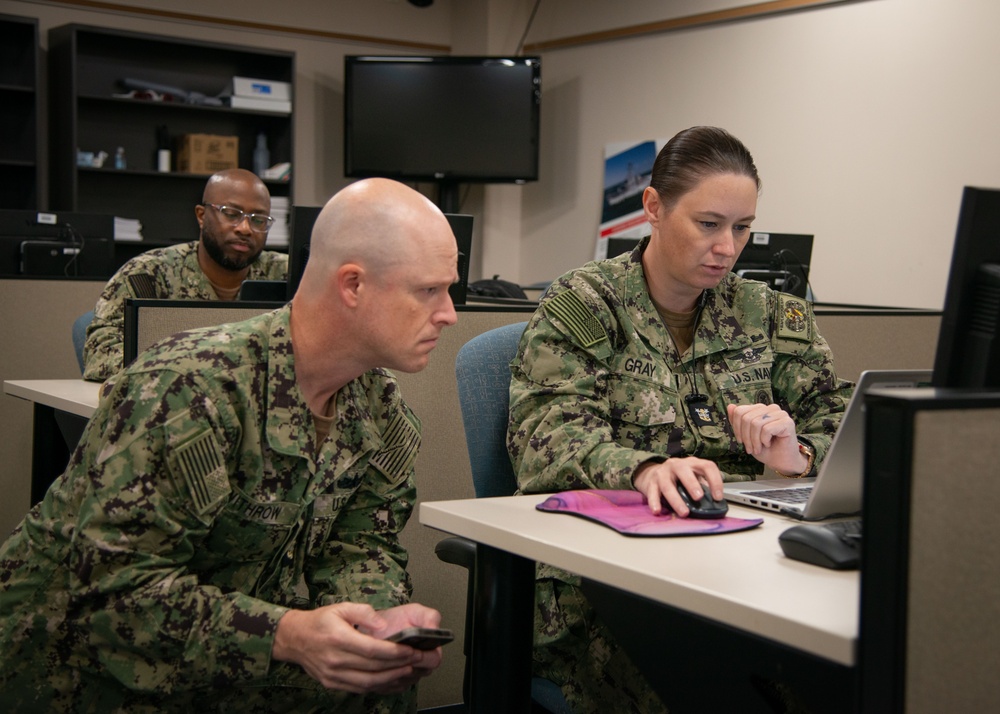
[(930, 615), (878, 339)]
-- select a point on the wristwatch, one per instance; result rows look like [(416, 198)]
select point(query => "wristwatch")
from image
[(809, 452)]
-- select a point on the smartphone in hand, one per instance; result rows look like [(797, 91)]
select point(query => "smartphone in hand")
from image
[(422, 638)]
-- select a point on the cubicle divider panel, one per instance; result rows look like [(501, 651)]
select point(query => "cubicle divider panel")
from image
[(879, 339), (148, 321), (930, 615), (953, 627), (37, 344)]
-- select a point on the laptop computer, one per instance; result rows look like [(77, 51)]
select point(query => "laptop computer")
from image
[(836, 488)]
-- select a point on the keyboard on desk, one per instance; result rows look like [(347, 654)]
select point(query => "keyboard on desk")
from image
[(786, 495), (834, 545)]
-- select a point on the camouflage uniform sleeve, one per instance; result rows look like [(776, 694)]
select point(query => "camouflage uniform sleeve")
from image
[(804, 381), (103, 351), (155, 274), (160, 458), (362, 559), (559, 436), (270, 266)]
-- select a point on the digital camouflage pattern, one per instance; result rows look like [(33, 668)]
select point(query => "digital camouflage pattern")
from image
[(164, 273), (194, 512), (598, 388)]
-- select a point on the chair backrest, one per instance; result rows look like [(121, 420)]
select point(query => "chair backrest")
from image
[(80, 335), (482, 367)]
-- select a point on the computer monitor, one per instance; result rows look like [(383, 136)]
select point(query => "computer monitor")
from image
[(968, 354), (56, 244), (617, 246), (302, 218), (447, 119), (779, 259), (442, 118), (300, 226)]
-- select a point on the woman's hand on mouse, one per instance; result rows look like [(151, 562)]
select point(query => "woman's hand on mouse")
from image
[(767, 433), (657, 481)]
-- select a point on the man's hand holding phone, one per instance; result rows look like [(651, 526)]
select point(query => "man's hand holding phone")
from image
[(422, 638), (345, 646)]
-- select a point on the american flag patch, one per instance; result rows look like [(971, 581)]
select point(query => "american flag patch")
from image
[(401, 443), (200, 462)]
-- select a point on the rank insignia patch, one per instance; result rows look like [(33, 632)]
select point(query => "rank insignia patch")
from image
[(793, 315)]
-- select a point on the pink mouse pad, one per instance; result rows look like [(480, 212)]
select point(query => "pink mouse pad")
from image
[(627, 513)]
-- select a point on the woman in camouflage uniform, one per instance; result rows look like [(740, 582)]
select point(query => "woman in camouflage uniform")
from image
[(662, 367)]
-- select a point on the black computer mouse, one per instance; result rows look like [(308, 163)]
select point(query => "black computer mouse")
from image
[(819, 545), (705, 507)]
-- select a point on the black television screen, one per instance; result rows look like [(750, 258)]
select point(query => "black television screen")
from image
[(446, 119), (968, 352)]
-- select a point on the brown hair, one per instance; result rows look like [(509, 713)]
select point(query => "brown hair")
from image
[(694, 154)]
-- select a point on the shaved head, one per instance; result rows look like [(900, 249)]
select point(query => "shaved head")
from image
[(222, 185), (375, 289), (377, 223)]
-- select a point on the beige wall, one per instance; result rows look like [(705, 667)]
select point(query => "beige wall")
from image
[(866, 118)]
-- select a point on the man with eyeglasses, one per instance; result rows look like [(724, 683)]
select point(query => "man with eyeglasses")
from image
[(234, 218)]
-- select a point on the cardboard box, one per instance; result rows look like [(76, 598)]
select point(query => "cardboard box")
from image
[(207, 153)]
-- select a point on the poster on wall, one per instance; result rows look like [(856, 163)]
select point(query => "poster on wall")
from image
[(627, 168)]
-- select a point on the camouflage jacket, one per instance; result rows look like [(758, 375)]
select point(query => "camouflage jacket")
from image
[(599, 388), (194, 512), (164, 273)]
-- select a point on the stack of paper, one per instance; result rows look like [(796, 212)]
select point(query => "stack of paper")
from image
[(278, 235), (128, 229)]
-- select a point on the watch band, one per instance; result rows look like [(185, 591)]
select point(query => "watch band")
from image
[(809, 452)]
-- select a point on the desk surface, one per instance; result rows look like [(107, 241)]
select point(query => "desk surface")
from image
[(739, 579), (75, 396)]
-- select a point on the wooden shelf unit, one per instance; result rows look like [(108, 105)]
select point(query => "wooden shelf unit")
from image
[(88, 65)]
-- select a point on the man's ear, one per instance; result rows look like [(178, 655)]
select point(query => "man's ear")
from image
[(350, 278), (199, 214)]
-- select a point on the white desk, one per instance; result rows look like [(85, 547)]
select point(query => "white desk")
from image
[(75, 396), (61, 407), (740, 580)]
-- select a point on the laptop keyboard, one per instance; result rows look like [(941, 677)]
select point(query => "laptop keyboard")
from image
[(786, 495)]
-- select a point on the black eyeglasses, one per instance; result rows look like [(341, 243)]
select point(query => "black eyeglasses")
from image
[(258, 221)]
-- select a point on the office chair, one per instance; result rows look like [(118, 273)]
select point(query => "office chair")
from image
[(80, 335), (482, 368)]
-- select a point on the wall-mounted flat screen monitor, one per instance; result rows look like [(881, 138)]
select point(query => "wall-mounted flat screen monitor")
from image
[(445, 119)]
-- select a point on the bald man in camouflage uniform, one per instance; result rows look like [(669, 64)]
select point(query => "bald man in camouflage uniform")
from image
[(599, 389), (226, 536), (211, 268)]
